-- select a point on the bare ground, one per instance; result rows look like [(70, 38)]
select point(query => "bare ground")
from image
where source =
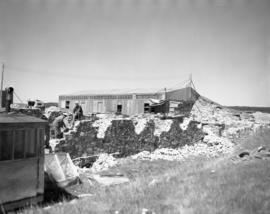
[(227, 184)]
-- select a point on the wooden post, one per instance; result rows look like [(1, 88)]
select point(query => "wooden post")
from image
[(2, 80), (166, 105)]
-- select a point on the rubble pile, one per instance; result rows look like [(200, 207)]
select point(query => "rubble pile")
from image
[(103, 162), (162, 126), (185, 123), (140, 123), (199, 149), (221, 127), (262, 152), (221, 123), (51, 113), (102, 125)]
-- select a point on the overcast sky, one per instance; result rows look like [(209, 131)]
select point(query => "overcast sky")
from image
[(57, 47)]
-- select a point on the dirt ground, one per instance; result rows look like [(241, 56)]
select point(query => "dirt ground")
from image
[(225, 184)]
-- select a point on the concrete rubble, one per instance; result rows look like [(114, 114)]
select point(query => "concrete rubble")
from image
[(185, 123), (200, 149), (221, 125), (262, 152), (110, 179), (225, 122), (140, 123), (104, 162), (162, 126), (102, 125), (51, 113)]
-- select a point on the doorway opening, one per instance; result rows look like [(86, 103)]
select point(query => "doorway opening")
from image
[(119, 109), (146, 107)]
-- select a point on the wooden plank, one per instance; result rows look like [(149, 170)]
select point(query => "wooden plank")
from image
[(13, 144), (18, 179), (19, 118), (40, 189), (22, 203), (21, 125)]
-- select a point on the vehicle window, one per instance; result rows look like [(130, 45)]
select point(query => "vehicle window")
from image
[(146, 107), (5, 145), (31, 143), (19, 144), (67, 104)]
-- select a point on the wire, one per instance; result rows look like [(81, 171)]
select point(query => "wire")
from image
[(18, 97), (174, 87), (177, 86)]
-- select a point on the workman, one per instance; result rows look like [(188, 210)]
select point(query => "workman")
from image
[(58, 125), (77, 112)]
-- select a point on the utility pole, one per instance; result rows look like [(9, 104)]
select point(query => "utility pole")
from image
[(2, 80), (165, 98)]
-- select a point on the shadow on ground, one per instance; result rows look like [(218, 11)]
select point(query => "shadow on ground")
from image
[(53, 193)]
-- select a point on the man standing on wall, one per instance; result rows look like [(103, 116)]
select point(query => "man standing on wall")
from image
[(77, 112)]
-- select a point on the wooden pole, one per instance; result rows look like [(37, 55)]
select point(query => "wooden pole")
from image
[(165, 108), (2, 80)]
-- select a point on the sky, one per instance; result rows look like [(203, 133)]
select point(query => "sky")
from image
[(58, 47)]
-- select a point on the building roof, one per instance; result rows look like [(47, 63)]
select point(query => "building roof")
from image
[(115, 92), (7, 118)]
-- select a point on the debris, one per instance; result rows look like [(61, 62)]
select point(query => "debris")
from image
[(60, 168), (186, 151), (162, 126), (261, 152), (85, 195), (260, 148), (147, 211), (110, 180), (53, 143), (102, 124), (243, 154), (185, 123), (140, 123), (153, 182), (51, 113), (103, 162)]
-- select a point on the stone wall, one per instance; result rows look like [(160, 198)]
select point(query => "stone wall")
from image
[(121, 137)]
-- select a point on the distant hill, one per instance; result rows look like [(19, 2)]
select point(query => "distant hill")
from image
[(250, 108)]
